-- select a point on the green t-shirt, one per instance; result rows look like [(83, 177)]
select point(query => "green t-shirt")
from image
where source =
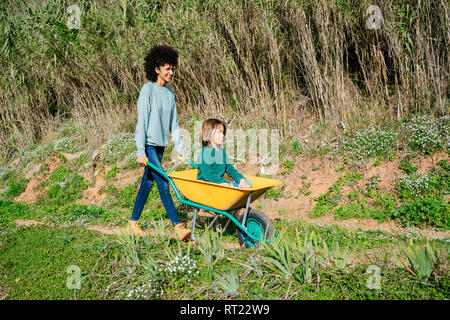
[(212, 165)]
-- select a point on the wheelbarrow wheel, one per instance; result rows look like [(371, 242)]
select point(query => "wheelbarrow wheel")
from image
[(258, 225)]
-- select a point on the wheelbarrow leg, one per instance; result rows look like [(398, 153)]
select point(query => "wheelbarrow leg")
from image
[(249, 199), (193, 224), (264, 202), (210, 225)]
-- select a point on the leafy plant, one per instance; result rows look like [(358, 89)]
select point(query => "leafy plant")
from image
[(210, 245), (111, 173), (280, 258), (15, 186), (130, 246), (407, 167), (367, 143), (388, 203), (372, 186), (409, 187), (229, 283), (64, 186), (124, 197), (276, 193), (423, 134), (288, 164), (422, 260), (10, 210), (424, 211)]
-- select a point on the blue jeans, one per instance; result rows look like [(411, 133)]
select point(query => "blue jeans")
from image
[(154, 155), (236, 184)]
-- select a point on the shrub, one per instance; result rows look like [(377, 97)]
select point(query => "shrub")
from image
[(388, 204), (409, 187), (442, 172), (10, 210), (15, 187), (11, 184), (424, 211), (407, 167), (424, 134), (118, 147), (64, 186), (368, 143)]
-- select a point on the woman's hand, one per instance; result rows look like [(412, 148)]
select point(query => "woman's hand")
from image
[(244, 184), (142, 160)]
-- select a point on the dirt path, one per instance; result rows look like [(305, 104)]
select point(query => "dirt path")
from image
[(112, 230)]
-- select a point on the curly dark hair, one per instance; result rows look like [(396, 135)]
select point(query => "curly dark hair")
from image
[(157, 57)]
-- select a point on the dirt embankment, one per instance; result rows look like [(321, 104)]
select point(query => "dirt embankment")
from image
[(313, 174)]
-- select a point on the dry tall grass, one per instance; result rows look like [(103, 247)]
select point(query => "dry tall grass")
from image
[(281, 64)]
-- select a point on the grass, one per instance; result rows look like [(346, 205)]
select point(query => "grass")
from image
[(34, 263)]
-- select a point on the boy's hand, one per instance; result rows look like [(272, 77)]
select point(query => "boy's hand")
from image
[(142, 160), (244, 184)]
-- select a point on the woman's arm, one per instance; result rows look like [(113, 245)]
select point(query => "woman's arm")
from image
[(143, 117), (175, 130)]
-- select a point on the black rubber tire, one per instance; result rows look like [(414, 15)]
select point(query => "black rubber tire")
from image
[(254, 218)]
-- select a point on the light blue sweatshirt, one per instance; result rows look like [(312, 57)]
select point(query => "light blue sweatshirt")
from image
[(157, 116)]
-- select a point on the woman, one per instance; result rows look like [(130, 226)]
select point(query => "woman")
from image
[(157, 117)]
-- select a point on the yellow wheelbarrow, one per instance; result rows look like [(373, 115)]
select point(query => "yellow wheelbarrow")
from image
[(253, 226)]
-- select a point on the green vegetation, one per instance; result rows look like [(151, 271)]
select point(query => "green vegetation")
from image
[(407, 167), (304, 262), (425, 135), (34, 262), (118, 147), (368, 143), (276, 193), (75, 91), (10, 210), (424, 212), (64, 187), (42, 55), (418, 200), (410, 187)]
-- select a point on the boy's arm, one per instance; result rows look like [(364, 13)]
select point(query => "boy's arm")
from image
[(144, 110), (175, 130), (231, 171)]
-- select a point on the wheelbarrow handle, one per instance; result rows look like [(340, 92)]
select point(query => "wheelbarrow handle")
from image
[(191, 163)]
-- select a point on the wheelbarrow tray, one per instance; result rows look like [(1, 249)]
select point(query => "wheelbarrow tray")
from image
[(217, 196)]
